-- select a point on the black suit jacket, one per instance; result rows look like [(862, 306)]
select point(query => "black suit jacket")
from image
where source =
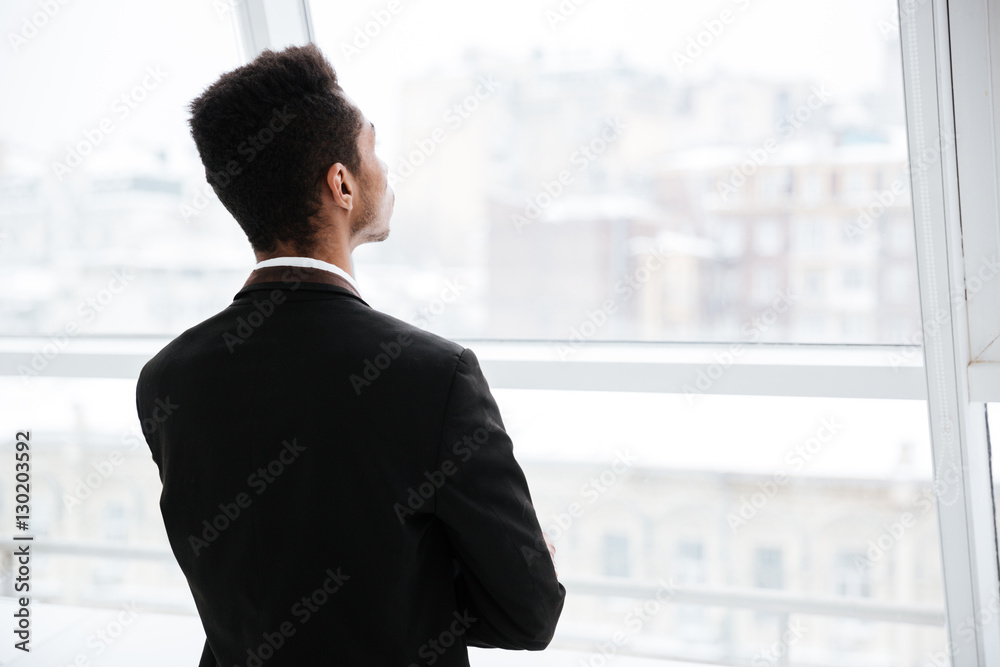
[(338, 487)]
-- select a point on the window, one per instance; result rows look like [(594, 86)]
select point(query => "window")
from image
[(690, 568), (857, 186), (690, 563), (768, 571), (812, 187), (773, 185), (711, 424), (114, 522), (616, 555), (690, 183), (810, 235), (852, 574), (108, 225), (524, 109)]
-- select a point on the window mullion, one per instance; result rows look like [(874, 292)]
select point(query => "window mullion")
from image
[(957, 425)]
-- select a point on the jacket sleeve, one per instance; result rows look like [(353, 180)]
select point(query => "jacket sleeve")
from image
[(505, 577)]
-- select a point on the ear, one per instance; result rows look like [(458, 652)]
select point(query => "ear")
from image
[(341, 186)]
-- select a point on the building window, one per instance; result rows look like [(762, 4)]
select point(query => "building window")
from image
[(857, 183), (615, 555), (851, 577), (115, 522), (773, 185), (812, 187), (690, 567), (810, 235), (768, 568)]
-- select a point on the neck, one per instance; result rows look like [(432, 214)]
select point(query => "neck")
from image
[(337, 254)]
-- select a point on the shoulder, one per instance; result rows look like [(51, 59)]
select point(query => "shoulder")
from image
[(424, 347), (197, 340), (385, 322)]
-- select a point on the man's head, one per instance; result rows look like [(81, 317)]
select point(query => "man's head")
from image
[(290, 155)]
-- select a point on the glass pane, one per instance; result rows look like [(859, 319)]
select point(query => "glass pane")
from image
[(105, 226), (93, 482), (741, 498), (643, 169)]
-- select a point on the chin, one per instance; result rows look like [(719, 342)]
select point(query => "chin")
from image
[(375, 235), (381, 233)]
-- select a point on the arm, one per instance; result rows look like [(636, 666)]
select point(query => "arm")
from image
[(506, 578)]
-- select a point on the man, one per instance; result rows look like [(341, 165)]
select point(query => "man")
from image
[(338, 487)]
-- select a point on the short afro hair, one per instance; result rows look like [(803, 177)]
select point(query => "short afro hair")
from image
[(267, 133)]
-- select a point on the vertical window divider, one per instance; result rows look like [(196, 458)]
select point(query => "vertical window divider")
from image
[(929, 35)]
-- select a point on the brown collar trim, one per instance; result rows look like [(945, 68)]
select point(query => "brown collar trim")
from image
[(291, 274)]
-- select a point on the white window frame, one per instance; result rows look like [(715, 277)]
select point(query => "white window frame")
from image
[(272, 24), (940, 39), (957, 370)]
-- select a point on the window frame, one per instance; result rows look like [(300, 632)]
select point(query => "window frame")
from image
[(936, 37)]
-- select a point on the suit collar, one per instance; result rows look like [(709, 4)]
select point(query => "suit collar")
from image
[(297, 278)]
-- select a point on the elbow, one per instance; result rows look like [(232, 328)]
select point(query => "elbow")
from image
[(524, 623), (543, 626), (541, 636), (540, 642)]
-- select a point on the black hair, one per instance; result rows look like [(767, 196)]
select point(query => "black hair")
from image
[(267, 133)]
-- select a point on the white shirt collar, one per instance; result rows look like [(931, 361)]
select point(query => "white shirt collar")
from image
[(308, 262)]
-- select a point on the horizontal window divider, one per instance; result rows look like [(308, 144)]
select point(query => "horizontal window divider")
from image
[(834, 371), (663, 591)]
